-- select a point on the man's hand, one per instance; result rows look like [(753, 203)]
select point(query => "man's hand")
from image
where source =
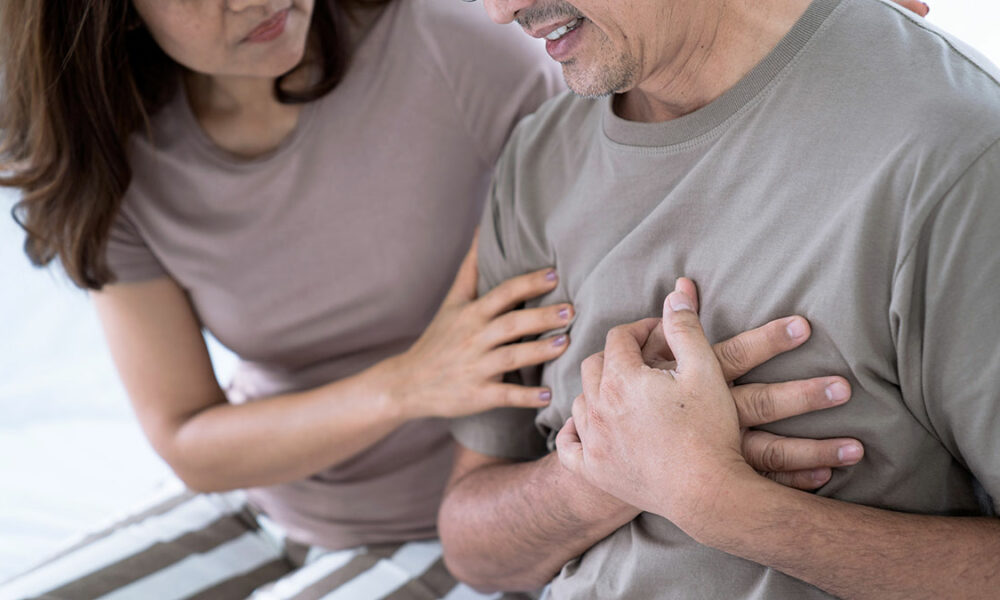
[(664, 440), (800, 463)]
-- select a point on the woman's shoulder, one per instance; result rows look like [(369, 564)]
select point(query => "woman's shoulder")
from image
[(461, 33)]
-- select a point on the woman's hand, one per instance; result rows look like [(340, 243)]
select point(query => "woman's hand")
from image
[(454, 368)]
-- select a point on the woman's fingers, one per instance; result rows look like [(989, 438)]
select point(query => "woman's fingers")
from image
[(770, 453), (760, 403), (514, 291), (515, 356), (499, 395), (517, 324)]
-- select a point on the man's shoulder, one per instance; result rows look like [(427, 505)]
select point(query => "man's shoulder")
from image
[(564, 122), (926, 73)]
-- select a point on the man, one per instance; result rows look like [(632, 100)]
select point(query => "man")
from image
[(837, 159)]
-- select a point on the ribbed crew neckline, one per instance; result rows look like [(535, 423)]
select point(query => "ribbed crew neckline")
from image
[(688, 127)]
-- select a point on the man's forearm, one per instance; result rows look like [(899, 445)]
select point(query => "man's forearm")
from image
[(854, 551), (513, 526)]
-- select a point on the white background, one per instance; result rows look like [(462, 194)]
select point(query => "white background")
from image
[(71, 455)]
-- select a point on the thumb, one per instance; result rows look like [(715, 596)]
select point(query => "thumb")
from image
[(685, 336), (464, 287), (569, 447), (684, 284)]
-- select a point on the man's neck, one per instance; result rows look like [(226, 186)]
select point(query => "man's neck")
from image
[(718, 50)]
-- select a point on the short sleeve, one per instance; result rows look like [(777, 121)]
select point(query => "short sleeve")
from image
[(127, 254), (946, 311), (503, 432)]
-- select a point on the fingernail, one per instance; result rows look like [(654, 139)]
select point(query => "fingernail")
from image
[(820, 475), (849, 453), (559, 341), (679, 301), (837, 393), (796, 329), (563, 313), (551, 275), (927, 6), (545, 396)]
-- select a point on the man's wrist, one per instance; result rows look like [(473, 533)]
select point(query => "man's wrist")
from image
[(734, 510), (587, 501)]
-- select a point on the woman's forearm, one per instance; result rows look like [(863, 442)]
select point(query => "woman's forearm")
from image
[(283, 438)]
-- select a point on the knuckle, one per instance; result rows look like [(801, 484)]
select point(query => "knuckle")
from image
[(514, 397), (735, 354), (508, 325), (773, 457), (592, 362), (507, 360), (761, 406)]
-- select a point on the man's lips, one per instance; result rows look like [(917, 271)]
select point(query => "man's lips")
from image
[(269, 28), (541, 32)]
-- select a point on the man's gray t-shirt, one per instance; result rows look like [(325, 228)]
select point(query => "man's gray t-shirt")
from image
[(852, 177)]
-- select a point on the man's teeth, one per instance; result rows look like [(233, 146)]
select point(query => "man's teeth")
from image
[(568, 27)]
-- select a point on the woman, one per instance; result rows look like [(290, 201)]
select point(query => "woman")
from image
[(302, 181)]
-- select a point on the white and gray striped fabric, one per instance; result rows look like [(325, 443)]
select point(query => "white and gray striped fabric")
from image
[(214, 547)]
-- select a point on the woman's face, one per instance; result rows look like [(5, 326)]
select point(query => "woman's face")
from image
[(255, 38)]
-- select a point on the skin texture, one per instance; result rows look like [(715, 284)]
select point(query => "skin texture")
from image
[(229, 79), (666, 58), (453, 369), (700, 482), (157, 346), (518, 548), (209, 36), (156, 340), (703, 484)]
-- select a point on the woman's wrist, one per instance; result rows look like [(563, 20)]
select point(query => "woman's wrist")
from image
[(389, 384)]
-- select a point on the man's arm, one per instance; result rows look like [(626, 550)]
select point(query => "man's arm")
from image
[(702, 484), (512, 526), (855, 551)]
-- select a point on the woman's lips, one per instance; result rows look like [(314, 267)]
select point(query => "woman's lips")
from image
[(270, 29)]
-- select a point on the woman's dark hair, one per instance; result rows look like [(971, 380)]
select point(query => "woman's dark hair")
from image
[(77, 77)]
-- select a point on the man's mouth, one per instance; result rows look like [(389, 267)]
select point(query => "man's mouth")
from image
[(568, 27)]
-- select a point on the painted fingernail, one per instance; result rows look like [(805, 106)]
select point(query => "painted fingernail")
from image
[(837, 393), (551, 275), (796, 329), (563, 313), (559, 341), (545, 396), (849, 453), (927, 7), (679, 301)]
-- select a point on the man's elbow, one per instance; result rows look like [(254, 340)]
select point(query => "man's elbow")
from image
[(473, 562), (493, 580)]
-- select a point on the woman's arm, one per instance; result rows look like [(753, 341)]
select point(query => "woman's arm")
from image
[(452, 370)]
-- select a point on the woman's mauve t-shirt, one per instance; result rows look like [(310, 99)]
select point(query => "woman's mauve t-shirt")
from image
[(334, 251)]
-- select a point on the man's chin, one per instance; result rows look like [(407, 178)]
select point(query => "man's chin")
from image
[(596, 82)]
